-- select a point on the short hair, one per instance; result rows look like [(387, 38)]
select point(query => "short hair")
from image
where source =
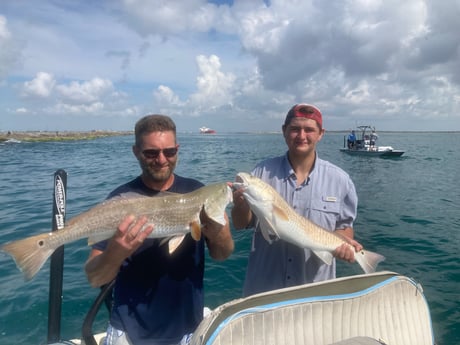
[(153, 123)]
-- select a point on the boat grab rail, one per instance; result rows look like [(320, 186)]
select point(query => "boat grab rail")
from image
[(105, 296)]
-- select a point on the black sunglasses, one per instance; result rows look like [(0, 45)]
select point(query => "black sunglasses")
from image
[(154, 153)]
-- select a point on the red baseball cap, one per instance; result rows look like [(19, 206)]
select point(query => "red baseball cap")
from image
[(307, 111)]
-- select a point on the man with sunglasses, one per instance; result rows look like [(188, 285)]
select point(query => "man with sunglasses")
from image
[(316, 189), (158, 297)]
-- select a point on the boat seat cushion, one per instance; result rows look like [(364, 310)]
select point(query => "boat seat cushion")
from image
[(380, 308)]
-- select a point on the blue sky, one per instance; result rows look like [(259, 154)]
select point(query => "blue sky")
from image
[(230, 65)]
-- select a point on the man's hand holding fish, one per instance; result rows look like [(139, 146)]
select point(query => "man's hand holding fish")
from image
[(125, 241), (344, 251)]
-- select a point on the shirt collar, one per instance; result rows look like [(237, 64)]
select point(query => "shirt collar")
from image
[(289, 172)]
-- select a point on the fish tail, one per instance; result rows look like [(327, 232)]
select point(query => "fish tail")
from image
[(368, 260), (29, 254)]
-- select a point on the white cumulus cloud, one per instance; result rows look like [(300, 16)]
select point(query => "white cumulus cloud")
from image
[(215, 88), (85, 92), (41, 86)]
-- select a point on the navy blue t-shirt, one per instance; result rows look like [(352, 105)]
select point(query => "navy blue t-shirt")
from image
[(158, 297)]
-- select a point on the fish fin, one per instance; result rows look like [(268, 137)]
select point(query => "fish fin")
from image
[(166, 193), (368, 260), (175, 242), (195, 230), (215, 211), (265, 233), (279, 212), (30, 253), (267, 229), (135, 196), (325, 256)]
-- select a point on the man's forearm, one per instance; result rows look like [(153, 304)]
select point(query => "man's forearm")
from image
[(348, 232), (241, 216)]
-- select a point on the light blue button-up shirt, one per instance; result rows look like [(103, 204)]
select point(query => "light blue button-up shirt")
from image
[(328, 198)]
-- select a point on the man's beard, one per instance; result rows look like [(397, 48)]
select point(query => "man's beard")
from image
[(152, 171)]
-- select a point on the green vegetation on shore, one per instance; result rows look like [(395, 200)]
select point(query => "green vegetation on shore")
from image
[(37, 136)]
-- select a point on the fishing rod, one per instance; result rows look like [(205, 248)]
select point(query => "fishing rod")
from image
[(57, 259)]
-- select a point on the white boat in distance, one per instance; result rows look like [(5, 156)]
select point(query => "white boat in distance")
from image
[(206, 130), (365, 144)]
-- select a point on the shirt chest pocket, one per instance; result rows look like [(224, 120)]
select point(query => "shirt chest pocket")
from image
[(325, 212)]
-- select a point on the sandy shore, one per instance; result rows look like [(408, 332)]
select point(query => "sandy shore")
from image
[(58, 136)]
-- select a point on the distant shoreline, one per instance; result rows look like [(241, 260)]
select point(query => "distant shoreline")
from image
[(35, 136), (44, 136)]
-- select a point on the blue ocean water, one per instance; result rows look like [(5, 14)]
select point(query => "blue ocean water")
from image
[(408, 211)]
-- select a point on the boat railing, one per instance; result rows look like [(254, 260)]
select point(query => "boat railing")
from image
[(105, 296)]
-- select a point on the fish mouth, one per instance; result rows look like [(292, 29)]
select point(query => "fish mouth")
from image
[(238, 185), (239, 179), (239, 182)]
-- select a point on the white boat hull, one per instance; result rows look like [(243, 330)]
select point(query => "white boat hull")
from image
[(374, 153)]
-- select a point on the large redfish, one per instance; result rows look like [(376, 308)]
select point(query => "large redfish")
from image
[(278, 218), (173, 216)]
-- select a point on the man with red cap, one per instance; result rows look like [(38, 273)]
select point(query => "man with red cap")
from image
[(316, 189)]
